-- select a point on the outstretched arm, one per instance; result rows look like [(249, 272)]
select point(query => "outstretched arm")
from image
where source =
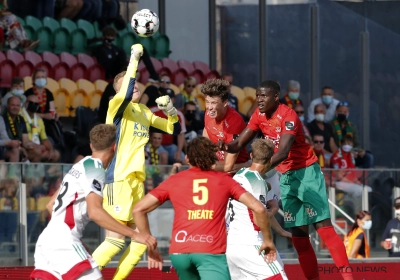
[(144, 206), (241, 141)]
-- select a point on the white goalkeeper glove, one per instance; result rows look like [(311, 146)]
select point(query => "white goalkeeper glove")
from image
[(136, 52), (164, 103)]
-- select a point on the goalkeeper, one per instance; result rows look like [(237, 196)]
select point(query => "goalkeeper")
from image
[(126, 172)]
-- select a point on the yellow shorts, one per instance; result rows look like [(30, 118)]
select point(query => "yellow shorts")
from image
[(119, 198)]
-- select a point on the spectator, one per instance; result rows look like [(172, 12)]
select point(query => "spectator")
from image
[(15, 127), (189, 84), (355, 241), (194, 127), (17, 89), (347, 176), (341, 127), (291, 97), (110, 9), (232, 99), (13, 32), (318, 126), (40, 149), (152, 92), (9, 149), (33, 177), (299, 109), (155, 153), (110, 56), (107, 95), (47, 109), (391, 236), (90, 11), (68, 8), (328, 101), (318, 148)]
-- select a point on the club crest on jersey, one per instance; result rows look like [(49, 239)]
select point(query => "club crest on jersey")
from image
[(289, 125), (96, 184), (220, 134), (117, 208), (278, 129), (310, 212), (287, 217), (263, 200)]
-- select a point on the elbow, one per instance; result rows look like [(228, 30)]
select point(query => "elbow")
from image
[(93, 215), (260, 209)]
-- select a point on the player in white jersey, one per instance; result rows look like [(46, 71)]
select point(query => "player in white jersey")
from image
[(244, 237), (59, 252)]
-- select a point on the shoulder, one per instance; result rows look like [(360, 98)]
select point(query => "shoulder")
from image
[(28, 92), (92, 166)]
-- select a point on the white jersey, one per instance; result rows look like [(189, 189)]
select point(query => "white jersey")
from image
[(242, 229), (70, 212)]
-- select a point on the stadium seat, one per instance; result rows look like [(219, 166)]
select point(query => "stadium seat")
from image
[(144, 76), (249, 91), (127, 41), (20, 20), (156, 63), (246, 104), (100, 85), (7, 72), (120, 36), (85, 85), (2, 57), (94, 99), (3, 200), (87, 60), (198, 75), (50, 23), (170, 64), (41, 206), (78, 98), (175, 88), (31, 26), (95, 72), (61, 70), (62, 102), (67, 84), (97, 31), (179, 76), (78, 41), (165, 71), (52, 85), (141, 65), (68, 58), (25, 68), (87, 27), (201, 66), (161, 46), (147, 42), (78, 71), (51, 58), (47, 67), (213, 74), (27, 82), (238, 92), (68, 24), (184, 64), (45, 37), (60, 40), (14, 56), (30, 204), (33, 57)]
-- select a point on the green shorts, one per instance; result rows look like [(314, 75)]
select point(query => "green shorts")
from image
[(200, 266), (304, 196)]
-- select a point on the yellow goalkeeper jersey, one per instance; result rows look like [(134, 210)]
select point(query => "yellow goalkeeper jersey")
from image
[(133, 121)]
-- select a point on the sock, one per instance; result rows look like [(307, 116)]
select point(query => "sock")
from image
[(307, 257), (337, 250), (107, 250), (129, 260)]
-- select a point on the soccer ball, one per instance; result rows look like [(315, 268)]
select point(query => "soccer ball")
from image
[(145, 23)]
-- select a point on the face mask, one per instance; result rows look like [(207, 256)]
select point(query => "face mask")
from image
[(319, 117), (397, 213), (189, 116), (18, 92), (301, 118), (108, 41), (7, 208), (40, 82), (341, 117), (347, 148), (367, 225), (32, 107), (294, 95), (327, 99)]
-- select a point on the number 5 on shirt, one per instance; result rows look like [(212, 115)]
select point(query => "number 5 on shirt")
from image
[(200, 193)]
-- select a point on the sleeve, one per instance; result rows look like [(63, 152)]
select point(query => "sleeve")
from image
[(254, 123), (386, 233), (261, 192), (235, 188), (162, 191), (42, 135), (3, 133), (360, 236), (95, 177), (118, 104), (291, 123), (170, 125), (310, 112), (50, 96), (28, 92)]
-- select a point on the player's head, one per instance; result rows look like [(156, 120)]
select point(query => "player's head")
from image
[(201, 153), (216, 92), (262, 151), (267, 96), (102, 142), (362, 220), (118, 84)]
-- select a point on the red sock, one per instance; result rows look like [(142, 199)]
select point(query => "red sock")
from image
[(307, 257), (337, 250)]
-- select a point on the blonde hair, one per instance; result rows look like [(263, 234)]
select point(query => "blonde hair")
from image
[(262, 150), (117, 78), (103, 136), (189, 79)]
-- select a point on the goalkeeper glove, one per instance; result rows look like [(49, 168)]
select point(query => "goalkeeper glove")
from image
[(136, 52), (164, 103)]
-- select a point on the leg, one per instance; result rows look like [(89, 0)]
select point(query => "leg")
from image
[(184, 267), (211, 266)]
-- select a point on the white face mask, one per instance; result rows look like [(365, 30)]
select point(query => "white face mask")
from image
[(347, 148), (367, 225), (7, 208), (18, 92), (397, 213), (319, 117)]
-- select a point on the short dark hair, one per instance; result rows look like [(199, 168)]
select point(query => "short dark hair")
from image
[(16, 81), (189, 103), (36, 71), (326, 87), (317, 134), (216, 88), (348, 137), (273, 86), (109, 31)]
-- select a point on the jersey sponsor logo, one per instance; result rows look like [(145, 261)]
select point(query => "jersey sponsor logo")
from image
[(226, 123), (289, 125), (96, 184), (220, 134), (182, 236), (279, 116), (221, 155), (310, 212), (287, 217), (274, 140), (75, 173), (200, 214), (278, 129), (140, 130), (263, 199)]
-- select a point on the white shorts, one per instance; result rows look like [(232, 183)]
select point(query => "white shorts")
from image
[(68, 261), (245, 263)]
